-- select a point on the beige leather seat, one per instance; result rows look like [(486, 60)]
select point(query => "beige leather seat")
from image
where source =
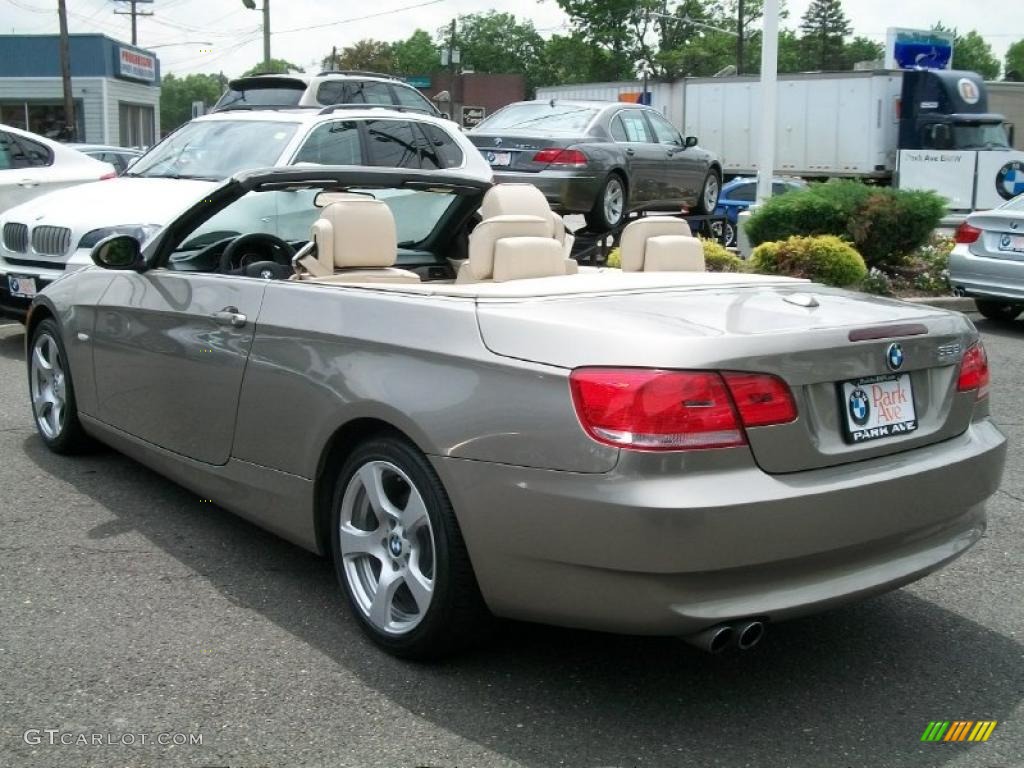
[(355, 243), (505, 248), (660, 244), (527, 200)]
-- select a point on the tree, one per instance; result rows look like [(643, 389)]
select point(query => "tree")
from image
[(619, 26), (861, 49), (498, 43), (416, 55), (972, 53), (1013, 65), (571, 59), (274, 66), (824, 28), (178, 93), (367, 54)]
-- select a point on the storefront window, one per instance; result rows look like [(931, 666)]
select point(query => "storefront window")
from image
[(43, 117), (137, 125)]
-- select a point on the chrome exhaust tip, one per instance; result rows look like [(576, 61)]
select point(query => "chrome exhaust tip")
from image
[(712, 640), (749, 634)]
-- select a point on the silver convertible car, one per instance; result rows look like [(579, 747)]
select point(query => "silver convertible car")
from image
[(470, 427)]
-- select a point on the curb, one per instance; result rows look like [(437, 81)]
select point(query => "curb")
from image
[(956, 303)]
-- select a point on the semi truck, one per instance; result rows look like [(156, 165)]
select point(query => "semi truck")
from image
[(917, 129)]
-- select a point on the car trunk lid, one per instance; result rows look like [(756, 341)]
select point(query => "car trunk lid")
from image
[(814, 338), (516, 152), (1002, 234)]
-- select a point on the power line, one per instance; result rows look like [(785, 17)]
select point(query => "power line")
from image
[(357, 18), (134, 13)]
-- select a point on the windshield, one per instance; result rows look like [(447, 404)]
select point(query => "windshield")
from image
[(289, 214), (979, 136), (216, 149), (539, 116)]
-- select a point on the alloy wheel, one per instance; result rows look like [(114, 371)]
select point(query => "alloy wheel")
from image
[(388, 547), (710, 193), (614, 200), (49, 386)]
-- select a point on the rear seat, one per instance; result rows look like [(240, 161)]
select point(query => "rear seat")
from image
[(660, 244), (505, 248)]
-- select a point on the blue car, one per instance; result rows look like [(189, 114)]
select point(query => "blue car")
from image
[(739, 194)]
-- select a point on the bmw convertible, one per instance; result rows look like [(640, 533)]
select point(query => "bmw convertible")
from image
[(410, 377)]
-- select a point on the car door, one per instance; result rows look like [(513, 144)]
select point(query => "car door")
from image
[(26, 170), (682, 172), (169, 351), (643, 157)]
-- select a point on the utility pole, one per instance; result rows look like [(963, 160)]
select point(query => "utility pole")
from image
[(134, 13), (769, 68), (739, 39), (334, 57), (70, 124), (266, 33)]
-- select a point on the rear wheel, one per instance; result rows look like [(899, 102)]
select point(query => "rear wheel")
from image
[(1000, 311), (610, 206), (709, 192), (53, 395), (399, 554)]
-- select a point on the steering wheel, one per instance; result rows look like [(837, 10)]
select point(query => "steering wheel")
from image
[(256, 246)]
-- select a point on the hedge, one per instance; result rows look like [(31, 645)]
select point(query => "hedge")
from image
[(825, 259), (885, 225)]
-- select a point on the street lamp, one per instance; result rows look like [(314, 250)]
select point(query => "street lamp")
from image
[(251, 5)]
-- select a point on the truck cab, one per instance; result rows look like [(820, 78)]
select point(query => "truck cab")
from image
[(948, 110)]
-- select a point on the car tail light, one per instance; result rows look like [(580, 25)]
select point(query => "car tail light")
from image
[(111, 175), (658, 410), (762, 399), (965, 233), (556, 156), (974, 371)]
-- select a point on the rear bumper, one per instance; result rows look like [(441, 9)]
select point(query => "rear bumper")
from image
[(566, 191), (985, 276), (640, 552)]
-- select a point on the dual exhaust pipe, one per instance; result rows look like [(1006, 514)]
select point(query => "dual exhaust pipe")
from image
[(743, 634)]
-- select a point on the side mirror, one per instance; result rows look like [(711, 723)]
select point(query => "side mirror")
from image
[(119, 252), (691, 141)]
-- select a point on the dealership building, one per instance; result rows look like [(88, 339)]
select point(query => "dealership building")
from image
[(115, 86)]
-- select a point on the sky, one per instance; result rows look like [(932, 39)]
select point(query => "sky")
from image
[(222, 35)]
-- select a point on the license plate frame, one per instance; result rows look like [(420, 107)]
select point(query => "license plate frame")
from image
[(1011, 243), (16, 285), (884, 407), (498, 159)]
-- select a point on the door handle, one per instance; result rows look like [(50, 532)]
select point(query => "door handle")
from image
[(630, 152), (28, 183), (229, 316)]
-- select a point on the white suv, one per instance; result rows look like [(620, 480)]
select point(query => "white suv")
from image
[(196, 158), (323, 90)]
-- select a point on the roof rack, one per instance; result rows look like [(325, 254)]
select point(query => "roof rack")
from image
[(393, 107), (359, 72)]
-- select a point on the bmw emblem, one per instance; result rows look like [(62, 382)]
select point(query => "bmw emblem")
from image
[(497, 142), (860, 409), (491, 157), (1004, 242), (395, 545), (894, 357), (1010, 180)]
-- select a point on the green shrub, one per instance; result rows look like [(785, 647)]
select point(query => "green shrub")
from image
[(826, 259), (718, 258), (614, 258), (877, 282), (885, 225)]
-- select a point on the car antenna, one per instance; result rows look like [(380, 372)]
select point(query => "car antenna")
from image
[(551, 103)]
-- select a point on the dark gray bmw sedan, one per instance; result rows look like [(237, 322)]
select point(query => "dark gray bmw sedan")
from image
[(602, 159)]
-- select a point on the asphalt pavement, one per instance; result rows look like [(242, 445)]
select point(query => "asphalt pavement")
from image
[(135, 617)]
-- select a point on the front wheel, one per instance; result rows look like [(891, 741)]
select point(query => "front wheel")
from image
[(399, 554), (53, 394), (610, 206), (1000, 311), (709, 192)]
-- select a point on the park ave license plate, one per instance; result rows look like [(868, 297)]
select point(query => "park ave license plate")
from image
[(879, 406), (25, 287), (499, 158)]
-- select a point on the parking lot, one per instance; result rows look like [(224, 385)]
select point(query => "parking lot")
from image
[(131, 608)]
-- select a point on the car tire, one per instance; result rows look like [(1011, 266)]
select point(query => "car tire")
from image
[(999, 311), (710, 191), (52, 392), (393, 528), (610, 206), (730, 234)]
